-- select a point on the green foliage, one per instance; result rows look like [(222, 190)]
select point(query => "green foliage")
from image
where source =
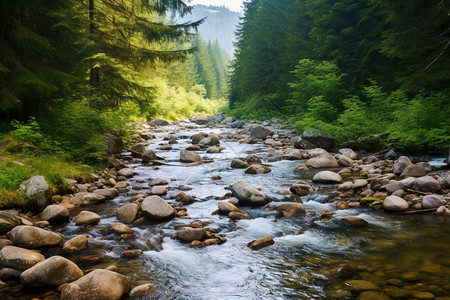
[(12, 174)]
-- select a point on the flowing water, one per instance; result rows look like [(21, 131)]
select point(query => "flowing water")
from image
[(408, 253)]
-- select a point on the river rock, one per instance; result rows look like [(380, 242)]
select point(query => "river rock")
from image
[(252, 159), (361, 285), (292, 154), (85, 198), (372, 295), (121, 228), (239, 164), (158, 190), (108, 193), (137, 150), (143, 290), (126, 172), (260, 243), (76, 243), (408, 182), (114, 144), (189, 156), (300, 143), (37, 189), (19, 258), (148, 155), (414, 171), (31, 237), (99, 284), (55, 270), (87, 218), (345, 186), (8, 220), (4, 243), (260, 132), (156, 208), (291, 210), (345, 161), (247, 194), (184, 198), (158, 181), (192, 234), (353, 221), (393, 186), (158, 122), (400, 164), (128, 212), (225, 207), (395, 204), (427, 184), (196, 138), (349, 153), (257, 169), (116, 163), (322, 161), (443, 211), (209, 141), (301, 189), (327, 177), (53, 213), (318, 138), (433, 201), (359, 184)]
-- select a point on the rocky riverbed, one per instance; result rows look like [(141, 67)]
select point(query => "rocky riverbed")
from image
[(216, 208)]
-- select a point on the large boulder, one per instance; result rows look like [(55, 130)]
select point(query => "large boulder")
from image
[(414, 171), (400, 164), (8, 220), (128, 212), (300, 143), (196, 138), (31, 237), (114, 144), (322, 161), (37, 189), (158, 122), (395, 204), (433, 201), (247, 194), (327, 177), (189, 156), (99, 284), (19, 258), (108, 193), (148, 155), (318, 138), (348, 152), (260, 132), (291, 210), (292, 154), (137, 150), (54, 213), (116, 163), (192, 234), (87, 218), (210, 140), (55, 270), (156, 208), (427, 184)]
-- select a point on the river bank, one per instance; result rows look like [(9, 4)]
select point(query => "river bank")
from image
[(189, 220)]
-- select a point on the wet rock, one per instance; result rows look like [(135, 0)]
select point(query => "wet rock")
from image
[(165, 147), (7, 274), (209, 141), (414, 171), (214, 149), (408, 182), (76, 243), (338, 294), (292, 154), (87, 218), (196, 138), (19, 258), (189, 156), (137, 150), (184, 198), (37, 189), (257, 169), (300, 143), (361, 285), (427, 184), (371, 295), (128, 212), (393, 186), (55, 270), (345, 161), (318, 138), (103, 284), (158, 122), (359, 184), (115, 163), (8, 220), (291, 210), (225, 207), (239, 164), (327, 177), (423, 295), (343, 271), (54, 213), (400, 164), (121, 228), (349, 153), (85, 198), (126, 172), (31, 237), (345, 186), (395, 204), (353, 221), (260, 243), (131, 253), (252, 159), (108, 193), (237, 124), (4, 243), (143, 290), (148, 155), (247, 194), (158, 190), (216, 177), (322, 161), (239, 215), (301, 189), (443, 211), (156, 208), (395, 292), (433, 201), (114, 144), (158, 181), (192, 234), (260, 132)]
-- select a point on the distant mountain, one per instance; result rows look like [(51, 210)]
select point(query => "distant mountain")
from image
[(220, 25)]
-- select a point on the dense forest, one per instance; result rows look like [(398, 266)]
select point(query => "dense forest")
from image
[(350, 68)]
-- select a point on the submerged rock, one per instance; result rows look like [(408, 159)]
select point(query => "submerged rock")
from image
[(260, 243)]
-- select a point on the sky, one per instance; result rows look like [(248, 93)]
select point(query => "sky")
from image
[(234, 5)]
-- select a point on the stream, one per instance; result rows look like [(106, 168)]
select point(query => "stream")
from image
[(408, 254)]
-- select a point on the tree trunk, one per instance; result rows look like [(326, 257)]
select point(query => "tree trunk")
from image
[(94, 77)]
